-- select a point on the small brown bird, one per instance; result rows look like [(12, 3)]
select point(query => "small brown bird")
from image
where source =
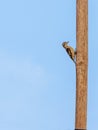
[(70, 51)]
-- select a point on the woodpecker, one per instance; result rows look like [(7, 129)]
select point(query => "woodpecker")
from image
[(71, 52)]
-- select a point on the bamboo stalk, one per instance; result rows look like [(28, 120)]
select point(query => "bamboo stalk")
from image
[(81, 64)]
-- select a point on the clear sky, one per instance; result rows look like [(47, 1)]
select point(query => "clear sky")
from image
[(37, 78)]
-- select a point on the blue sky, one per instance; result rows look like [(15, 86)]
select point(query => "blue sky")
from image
[(37, 78)]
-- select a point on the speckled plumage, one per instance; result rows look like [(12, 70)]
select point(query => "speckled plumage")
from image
[(70, 51)]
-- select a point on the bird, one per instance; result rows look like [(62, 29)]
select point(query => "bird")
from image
[(70, 51)]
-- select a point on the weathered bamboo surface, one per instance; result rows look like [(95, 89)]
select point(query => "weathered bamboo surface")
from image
[(81, 63)]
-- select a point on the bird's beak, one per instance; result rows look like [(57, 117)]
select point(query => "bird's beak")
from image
[(63, 44)]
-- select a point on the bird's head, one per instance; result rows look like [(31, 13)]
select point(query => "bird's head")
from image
[(64, 44)]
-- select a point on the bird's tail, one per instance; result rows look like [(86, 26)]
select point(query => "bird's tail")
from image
[(74, 61)]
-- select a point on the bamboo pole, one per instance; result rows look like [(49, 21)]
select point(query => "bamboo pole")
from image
[(81, 64)]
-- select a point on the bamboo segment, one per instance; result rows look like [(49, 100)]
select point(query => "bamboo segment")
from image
[(81, 64)]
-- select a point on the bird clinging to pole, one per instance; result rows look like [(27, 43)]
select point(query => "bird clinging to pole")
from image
[(70, 51)]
